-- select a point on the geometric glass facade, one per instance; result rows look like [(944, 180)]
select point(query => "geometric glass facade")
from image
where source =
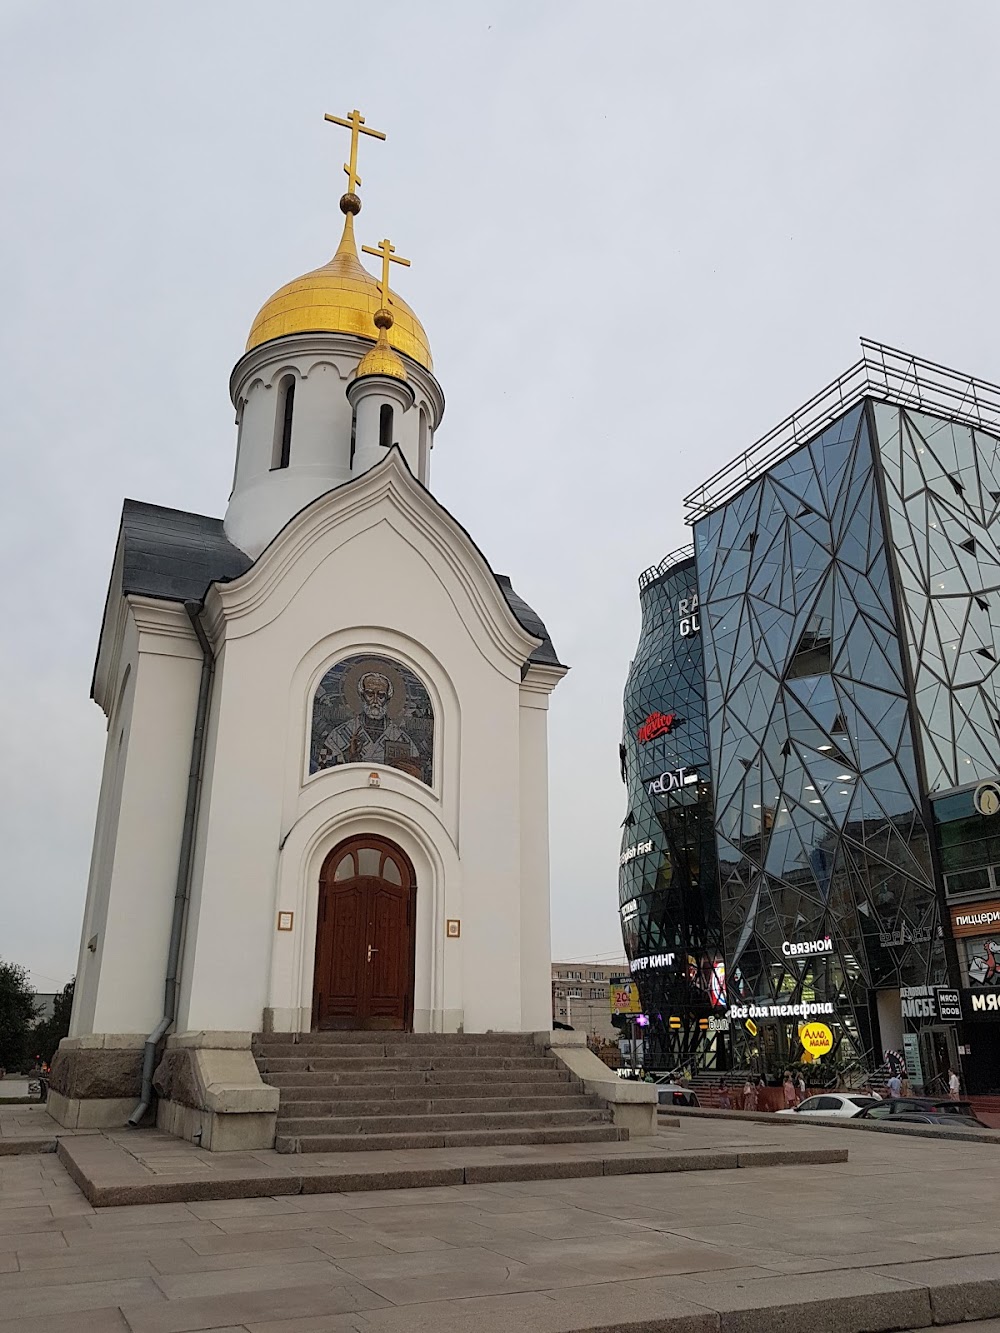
[(847, 674), (828, 890), (942, 482), (668, 881)]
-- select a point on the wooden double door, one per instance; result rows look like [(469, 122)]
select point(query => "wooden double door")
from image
[(365, 938)]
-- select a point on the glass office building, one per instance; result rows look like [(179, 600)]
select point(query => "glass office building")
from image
[(668, 882), (849, 579)]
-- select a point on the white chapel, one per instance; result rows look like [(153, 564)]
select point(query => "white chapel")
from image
[(324, 798)]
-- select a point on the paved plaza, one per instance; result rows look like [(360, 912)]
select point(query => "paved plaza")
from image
[(903, 1234)]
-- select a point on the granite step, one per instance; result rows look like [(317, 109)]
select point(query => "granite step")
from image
[(407, 1078), (570, 1101), (299, 1064), (351, 1038), (377, 1126), (351, 1092), (395, 1050), (324, 1143)]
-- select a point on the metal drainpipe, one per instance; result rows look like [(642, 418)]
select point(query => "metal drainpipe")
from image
[(184, 863)]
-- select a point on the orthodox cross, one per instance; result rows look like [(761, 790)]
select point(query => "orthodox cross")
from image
[(388, 252), (355, 122)]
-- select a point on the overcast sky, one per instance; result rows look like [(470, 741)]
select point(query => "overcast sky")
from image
[(641, 234)]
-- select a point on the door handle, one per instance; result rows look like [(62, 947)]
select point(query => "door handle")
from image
[(370, 952)]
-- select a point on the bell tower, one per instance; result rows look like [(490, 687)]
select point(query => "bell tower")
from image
[(337, 370)]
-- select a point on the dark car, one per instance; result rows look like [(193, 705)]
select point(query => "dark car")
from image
[(923, 1111)]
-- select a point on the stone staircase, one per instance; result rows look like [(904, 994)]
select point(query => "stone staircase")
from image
[(360, 1091)]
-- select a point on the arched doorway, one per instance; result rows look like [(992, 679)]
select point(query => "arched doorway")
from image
[(365, 938)]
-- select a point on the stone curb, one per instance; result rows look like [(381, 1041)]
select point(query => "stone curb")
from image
[(12, 1147), (117, 1189), (983, 1138)]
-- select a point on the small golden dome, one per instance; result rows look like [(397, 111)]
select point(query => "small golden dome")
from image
[(381, 359), (340, 297)]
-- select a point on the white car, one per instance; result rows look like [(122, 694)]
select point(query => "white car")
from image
[(840, 1104)]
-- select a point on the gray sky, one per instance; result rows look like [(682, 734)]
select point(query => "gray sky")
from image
[(641, 234)]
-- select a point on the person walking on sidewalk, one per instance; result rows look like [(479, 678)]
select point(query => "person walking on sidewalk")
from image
[(954, 1084), (749, 1095), (895, 1086), (789, 1090)]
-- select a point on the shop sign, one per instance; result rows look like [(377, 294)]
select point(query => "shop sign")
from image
[(975, 919), (817, 1039), (652, 960), (717, 1024), (807, 948), (624, 997), (949, 1004), (637, 849), (804, 1010), (984, 1002), (987, 798), (931, 1002), (687, 616), (903, 935), (675, 780), (630, 910), (657, 724), (750, 1026)]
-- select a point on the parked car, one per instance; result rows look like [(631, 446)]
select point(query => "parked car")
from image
[(924, 1111), (842, 1104), (675, 1094)]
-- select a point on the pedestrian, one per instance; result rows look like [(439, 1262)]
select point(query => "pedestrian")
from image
[(895, 1086), (954, 1084), (800, 1087), (905, 1089), (725, 1103), (789, 1090), (749, 1096)]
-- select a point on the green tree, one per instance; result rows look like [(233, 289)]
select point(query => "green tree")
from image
[(18, 1011), (46, 1036)]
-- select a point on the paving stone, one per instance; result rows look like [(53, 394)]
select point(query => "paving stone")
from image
[(260, 1277), (961, 1288), (109, 1320), (830, 1302), (76, 1297), (216, 1312)]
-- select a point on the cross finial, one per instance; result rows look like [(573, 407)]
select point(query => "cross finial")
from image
[(387, 250), (355, 122)]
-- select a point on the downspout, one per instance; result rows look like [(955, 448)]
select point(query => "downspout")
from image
[(185, 862)]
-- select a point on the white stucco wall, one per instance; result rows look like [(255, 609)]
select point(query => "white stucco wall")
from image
[(264, 497), (137, 837), (377, 568)]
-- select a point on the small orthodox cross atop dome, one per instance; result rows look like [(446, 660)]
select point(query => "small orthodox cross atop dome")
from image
[(382, 360)]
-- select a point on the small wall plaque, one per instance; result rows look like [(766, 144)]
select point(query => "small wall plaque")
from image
[(453, 928), (285, 920), (374, 780)]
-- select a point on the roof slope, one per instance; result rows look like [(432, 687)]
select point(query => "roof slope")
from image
[(176, 556)]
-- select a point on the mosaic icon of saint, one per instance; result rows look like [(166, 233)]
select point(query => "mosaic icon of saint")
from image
[(371, 736)]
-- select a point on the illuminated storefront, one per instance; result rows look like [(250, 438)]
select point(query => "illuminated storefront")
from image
[(668, 887)]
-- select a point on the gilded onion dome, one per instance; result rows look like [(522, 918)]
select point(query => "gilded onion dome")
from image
[(341, 297)]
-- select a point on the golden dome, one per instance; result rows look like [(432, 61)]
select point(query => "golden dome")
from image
[(381, 359), (340, 297)]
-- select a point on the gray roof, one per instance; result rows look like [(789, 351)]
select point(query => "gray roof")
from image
[(176, 556)]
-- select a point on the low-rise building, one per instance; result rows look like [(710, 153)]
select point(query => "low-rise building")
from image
[(580, 996)]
